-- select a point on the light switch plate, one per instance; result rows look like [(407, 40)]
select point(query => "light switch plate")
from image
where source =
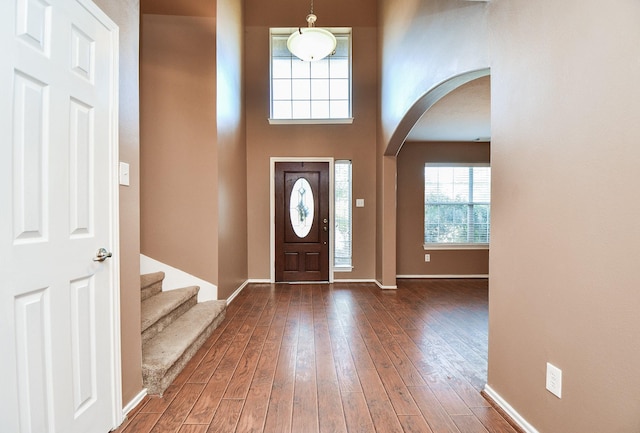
[(554, 380), (359, 202), (124, 174)]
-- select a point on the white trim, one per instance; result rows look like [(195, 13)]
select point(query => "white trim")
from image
[(258, 281), (443, 276), (175, 278), (134, 402), (237, 292), (115, 367), (436, 247), (337, 121), (385, 287), (342, 268), (356, 280), (272, 206), (513, 414)]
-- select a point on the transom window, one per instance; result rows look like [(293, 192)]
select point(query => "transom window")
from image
[(315, 92), (457, 205)]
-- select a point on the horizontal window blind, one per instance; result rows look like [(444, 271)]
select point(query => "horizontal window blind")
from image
[(457, 201)]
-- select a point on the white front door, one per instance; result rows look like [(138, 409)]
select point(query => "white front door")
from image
[(58, 202)]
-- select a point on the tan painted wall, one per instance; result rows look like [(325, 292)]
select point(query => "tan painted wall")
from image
[(410, 229), (232, 153), (179, 177), (356, 142), (125, 13), (565, 242), (443, 37), (421, 45), (563, 286)]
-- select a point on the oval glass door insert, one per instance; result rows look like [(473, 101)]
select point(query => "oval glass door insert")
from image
[(301, 207)]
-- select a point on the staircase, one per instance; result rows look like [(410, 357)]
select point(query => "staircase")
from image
[(174, 327)]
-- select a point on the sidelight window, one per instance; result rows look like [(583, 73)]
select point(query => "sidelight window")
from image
[(342, 232)]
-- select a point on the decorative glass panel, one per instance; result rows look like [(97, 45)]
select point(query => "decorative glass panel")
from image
[(342, 232), (301, 207)]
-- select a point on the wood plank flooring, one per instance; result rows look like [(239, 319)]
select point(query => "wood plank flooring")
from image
[(337, 358)]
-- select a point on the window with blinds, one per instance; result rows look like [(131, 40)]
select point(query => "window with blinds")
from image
[(457, 204), (342, 210)]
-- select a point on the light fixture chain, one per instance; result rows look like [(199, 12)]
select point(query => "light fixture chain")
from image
[(311, 6)]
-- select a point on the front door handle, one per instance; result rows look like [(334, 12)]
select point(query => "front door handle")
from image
[(102, 255)]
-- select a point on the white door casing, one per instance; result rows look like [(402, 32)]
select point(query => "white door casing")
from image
[(59, 309)]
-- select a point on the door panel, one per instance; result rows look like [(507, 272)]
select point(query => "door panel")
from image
[(58, 200), (302, 221)]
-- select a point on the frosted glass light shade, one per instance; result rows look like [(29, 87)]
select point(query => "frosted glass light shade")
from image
[(311, 43)]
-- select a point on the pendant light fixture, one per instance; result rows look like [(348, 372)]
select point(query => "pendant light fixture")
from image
[(311, 43)]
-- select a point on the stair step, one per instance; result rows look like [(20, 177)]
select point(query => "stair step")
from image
[(164, 356), (160, 310), (150, 284)]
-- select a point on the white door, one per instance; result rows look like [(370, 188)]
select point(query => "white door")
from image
[(58, 201)]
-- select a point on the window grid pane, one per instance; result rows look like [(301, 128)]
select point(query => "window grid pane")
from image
[(342, 209), (316, 90), (457, 204)]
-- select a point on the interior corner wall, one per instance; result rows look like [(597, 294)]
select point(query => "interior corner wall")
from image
[(355, 142), (125, 13), (410, 226), (564, 243), (179, 169), (232, 151)]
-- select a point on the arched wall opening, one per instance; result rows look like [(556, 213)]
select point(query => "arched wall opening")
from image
[(455, 129), (426, 102)]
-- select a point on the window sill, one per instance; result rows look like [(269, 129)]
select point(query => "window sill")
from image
[(428, 247), (343, 268), (345, 121)]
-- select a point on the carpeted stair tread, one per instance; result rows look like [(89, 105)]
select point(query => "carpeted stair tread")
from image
[(150, 284), (165, 355), (158, 306)]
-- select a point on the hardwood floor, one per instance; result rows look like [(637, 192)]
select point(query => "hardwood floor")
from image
[(337, 358)]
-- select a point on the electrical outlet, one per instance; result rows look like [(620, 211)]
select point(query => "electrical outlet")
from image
[(427, 257), (554, 380)]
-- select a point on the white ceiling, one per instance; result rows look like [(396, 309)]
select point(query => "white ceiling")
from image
[(462, 115)]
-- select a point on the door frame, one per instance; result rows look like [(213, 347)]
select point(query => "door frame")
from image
[(272, 208), (117, 411)]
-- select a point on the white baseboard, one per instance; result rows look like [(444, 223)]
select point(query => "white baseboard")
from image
[(175, 278), (355, 280), (506, 407), (385, 287), (469, 276), (335, 281), (237, 292), (134, 402)]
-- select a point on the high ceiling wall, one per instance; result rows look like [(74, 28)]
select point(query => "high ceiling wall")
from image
[(194, 8)]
